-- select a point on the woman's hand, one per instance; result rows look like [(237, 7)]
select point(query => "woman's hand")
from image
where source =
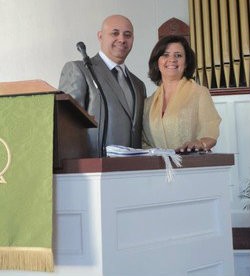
[(203, 144)]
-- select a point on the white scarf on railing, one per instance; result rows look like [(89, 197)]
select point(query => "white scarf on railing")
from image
[(166, 154)]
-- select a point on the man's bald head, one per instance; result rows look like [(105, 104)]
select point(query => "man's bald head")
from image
[(116, 37)]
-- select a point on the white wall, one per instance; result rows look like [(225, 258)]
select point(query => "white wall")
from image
[(38, 37)]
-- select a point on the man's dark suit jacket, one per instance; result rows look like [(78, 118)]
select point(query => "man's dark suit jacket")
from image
[(123, 129)]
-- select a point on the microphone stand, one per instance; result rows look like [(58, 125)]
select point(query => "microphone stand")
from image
[(87, 63)]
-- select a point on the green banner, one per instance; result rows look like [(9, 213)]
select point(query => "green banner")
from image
[(26, 175)]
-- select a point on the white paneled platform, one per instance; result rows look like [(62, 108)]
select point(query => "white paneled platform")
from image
[(242, 262), (234, 134), (234, 110), (135, 223)]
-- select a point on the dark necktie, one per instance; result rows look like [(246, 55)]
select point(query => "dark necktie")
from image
[(125, 87)]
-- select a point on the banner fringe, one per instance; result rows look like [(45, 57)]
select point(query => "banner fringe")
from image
[(25, 258)]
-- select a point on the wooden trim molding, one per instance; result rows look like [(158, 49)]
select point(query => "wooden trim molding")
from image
[(241, 238), (229, 91), (111, 164)]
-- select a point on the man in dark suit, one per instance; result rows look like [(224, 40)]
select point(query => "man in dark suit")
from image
[(124, 115)]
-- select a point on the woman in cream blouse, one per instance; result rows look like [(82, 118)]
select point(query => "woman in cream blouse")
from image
[(180, 114)]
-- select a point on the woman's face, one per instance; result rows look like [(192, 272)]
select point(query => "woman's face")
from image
[(173, 62)]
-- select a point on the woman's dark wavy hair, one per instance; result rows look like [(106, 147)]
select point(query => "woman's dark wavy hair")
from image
[(160, 47)]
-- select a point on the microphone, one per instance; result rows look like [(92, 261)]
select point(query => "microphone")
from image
[(92, 77), (82, 49), (81, 46)]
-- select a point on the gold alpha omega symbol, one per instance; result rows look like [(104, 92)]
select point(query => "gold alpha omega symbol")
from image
[(7, 162)]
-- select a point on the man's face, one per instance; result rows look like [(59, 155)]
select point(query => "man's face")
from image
[(116, 38)]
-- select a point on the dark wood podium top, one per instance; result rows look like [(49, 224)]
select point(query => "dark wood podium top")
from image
[(111, 164)]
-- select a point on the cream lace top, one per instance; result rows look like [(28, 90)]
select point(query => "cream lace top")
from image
[(190, 114)]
